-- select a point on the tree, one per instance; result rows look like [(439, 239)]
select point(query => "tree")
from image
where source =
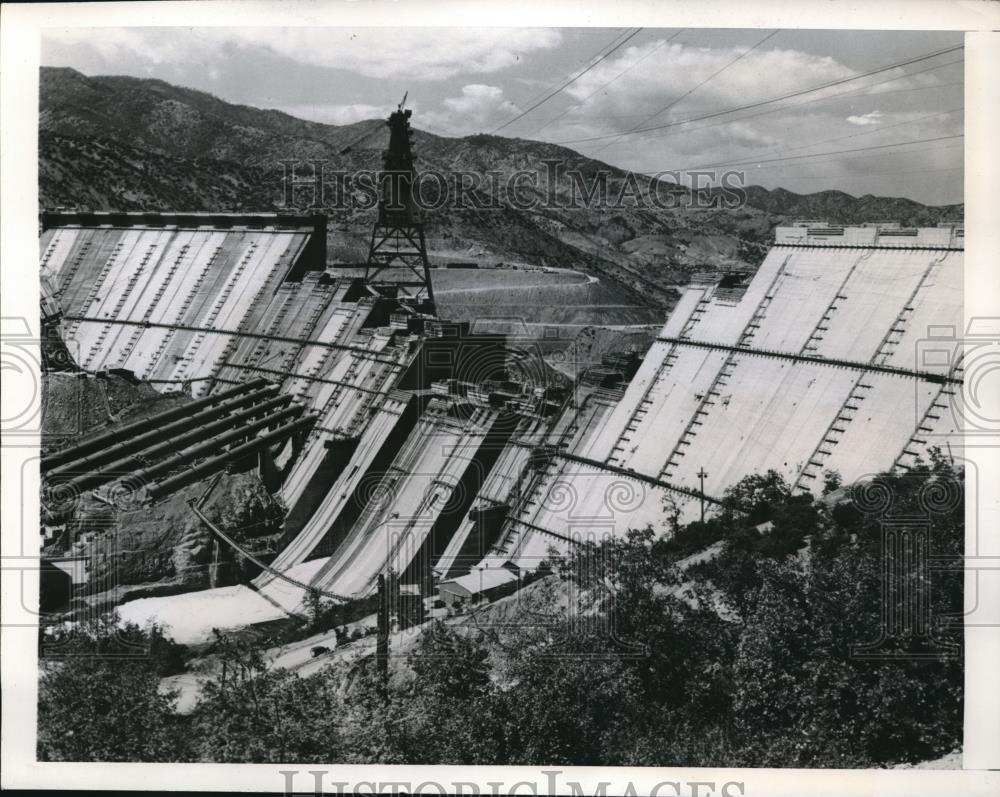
[(253, 714), (802, 697), (755, 496), (451, 705), (441, 712), (572, 702), (746, 658), (99, 698)]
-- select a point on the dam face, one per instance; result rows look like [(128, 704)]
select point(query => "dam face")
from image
[(813, 364)]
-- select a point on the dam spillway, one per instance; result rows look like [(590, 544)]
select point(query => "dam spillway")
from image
[(424, 458)]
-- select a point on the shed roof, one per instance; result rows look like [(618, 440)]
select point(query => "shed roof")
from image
[(482, 580)]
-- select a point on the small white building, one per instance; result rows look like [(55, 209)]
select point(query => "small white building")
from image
[(487, 582)]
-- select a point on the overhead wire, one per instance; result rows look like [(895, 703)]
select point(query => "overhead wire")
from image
[(880, 128), (623, 32), (603, 86), (791, 106), (853, 158), (774, 163), (839, 95), (566, 83), (769, 101), (868, 175), (836, 138), (692, 90), (374, 128), (931, 148), (853, 92), (837, 152)]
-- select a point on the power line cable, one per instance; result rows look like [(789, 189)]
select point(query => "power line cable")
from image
[(572, 80), (372, 129), (932, 148), (851, 159), (537, 96), (792, 106), (841, 138), (868, 175), (878, 129), (862, 91), (760, 103), (834, 152), (601, 88), (691, 91)]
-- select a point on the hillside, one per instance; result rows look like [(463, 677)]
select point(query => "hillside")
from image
[(122, 143)]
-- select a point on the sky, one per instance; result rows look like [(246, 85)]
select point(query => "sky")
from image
[(631, 103)]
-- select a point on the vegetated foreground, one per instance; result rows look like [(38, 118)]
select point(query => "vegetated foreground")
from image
[(727, 643)]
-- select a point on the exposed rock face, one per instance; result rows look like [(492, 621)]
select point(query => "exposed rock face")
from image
[(167, 543), (133, 550), (75, 405)]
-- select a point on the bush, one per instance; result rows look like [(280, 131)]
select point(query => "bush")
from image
[(99, 696), (744, 659), (252, 714), (326, 615)]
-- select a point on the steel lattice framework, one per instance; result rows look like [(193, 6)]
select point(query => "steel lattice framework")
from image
[(398, 234)]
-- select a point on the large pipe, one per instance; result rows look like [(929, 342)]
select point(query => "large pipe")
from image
[(170, 431), (235, 333), (209, 466), (196, 452), (856, 365), (111, 472), (95, 443)]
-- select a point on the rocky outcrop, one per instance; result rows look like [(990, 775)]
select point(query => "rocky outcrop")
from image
[(139, 550), (77, 404), (166, 544)]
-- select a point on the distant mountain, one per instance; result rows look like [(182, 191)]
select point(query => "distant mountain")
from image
[(840, 208), (123, 143)]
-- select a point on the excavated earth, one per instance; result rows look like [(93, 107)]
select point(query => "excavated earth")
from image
[(133, 550)]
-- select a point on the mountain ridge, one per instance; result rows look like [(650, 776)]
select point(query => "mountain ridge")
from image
[(127, 143)]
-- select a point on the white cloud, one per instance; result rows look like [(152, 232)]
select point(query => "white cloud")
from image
[(116, 43), (420, 53), (667, 72), (475, 97), (417, 53), (477, 108), (653, 76), (337, 114), (870, 118), (649, 87)]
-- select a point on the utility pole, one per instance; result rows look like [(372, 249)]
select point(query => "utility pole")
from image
[(382, 642), (701, 491)]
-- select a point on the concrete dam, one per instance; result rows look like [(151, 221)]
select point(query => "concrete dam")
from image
[(415, 449)]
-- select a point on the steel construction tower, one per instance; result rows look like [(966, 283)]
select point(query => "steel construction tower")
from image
[(398, 235)]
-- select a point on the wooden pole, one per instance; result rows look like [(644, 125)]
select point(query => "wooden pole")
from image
[(382, 644), (701, 491)]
